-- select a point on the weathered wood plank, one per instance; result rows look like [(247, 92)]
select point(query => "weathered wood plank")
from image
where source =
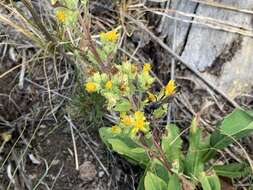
[(223, 58)]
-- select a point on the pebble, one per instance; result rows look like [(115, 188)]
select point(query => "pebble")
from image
[(101, 174), (87, 171)]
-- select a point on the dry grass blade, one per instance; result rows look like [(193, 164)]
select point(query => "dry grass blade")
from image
[(74, 142), (10, 70), (206, 21), (219, 5), (26, 149), (213, 4), (37, 19), (21, 29)]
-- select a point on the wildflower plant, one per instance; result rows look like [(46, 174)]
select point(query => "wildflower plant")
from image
[(66, 11), (127, 90), (134, 107)]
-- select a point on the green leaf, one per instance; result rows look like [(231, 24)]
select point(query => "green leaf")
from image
[(105, 134), (204, 182), (159, 112), (193, 161), (137, 154), (123, 106), (71, 4), (233, 170), (157, 168), (124, 145), (236, 125), (172, 143), (209, 182), (214, 182), (174, 183), (141, 183), (145, 81), (153, 182)]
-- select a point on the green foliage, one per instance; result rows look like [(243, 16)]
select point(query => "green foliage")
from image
[(174, 183), (236, 125), (171, 143), (66, 12), (191, 164), (153, 182), (126, 89), (122, 88), (88, 105), (125, 146), (123, 106), (233, 170), (209, 182), (157, 168), (70, 16), (214, 182)]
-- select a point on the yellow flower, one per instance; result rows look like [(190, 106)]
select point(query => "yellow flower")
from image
[(111, 36), (139, 115), (151, 97), (116, 129), (108, 84), (90, 87), (146, 67), (126, 120), (139, 123), (170, 88), (61, 16)]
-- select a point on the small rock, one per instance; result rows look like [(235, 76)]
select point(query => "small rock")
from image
[(87, 171), (101, 174), (85, 156), (90, 157)]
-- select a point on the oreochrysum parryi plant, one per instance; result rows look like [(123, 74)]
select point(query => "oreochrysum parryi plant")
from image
[(135, 107), (127, 90)]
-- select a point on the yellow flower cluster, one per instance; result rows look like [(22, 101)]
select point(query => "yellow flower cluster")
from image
[(90, 87), (139, 123), (126, 120), (61, 16), (146, 67), (119, 87), (111, 36), (170, 88), (108, 85)]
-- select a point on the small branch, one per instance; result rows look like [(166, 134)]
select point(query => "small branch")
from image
[(36, 18)]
